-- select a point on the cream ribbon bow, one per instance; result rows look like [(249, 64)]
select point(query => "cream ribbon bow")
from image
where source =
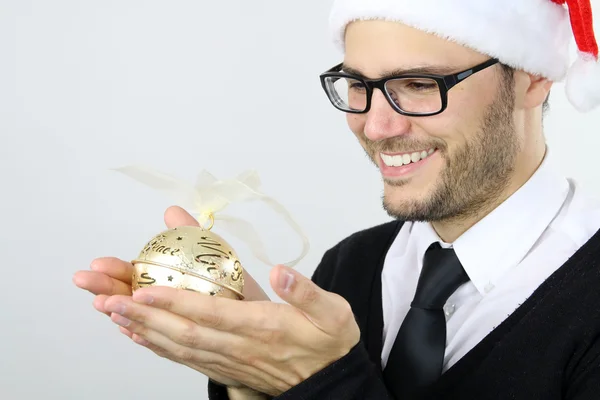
[(209, 196)]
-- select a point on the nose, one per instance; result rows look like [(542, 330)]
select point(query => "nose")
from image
[(383, 121)]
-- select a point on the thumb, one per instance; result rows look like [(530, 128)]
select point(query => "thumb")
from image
[(324, 309), (176, 216)]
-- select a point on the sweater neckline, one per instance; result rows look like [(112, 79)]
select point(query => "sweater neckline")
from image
[(572, 267)]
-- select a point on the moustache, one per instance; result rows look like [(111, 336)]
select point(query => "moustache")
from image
[(401, 145)]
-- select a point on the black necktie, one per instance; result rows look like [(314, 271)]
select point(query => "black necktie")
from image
[(417, 357)]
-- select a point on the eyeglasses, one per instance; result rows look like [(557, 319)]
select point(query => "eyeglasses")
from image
[(417, 95)]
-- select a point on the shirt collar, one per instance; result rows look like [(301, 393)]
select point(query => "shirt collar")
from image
[(503, 238)]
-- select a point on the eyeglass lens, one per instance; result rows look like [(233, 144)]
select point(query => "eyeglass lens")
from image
[(413, 95)]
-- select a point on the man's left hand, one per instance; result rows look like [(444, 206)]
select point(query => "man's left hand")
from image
[(269, 347)]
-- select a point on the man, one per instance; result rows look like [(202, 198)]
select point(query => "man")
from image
[(485, 286)]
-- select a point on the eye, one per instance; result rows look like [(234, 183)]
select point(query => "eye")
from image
[(420, 86), (416, 86), (412, 88), (355, 85)]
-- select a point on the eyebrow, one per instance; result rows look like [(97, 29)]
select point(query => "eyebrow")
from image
[(423, 69)]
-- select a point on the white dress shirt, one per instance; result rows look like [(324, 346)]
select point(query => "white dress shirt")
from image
[(507, 255)]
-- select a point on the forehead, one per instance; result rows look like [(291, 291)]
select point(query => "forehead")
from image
[(376, 47)]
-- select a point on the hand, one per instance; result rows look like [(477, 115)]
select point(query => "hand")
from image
[(111, 277), (267, 346)]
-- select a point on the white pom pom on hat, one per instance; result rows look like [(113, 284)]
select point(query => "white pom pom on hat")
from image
[(532, 35), (583, 78)]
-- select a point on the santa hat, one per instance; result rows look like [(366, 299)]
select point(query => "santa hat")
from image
[(531, 35)]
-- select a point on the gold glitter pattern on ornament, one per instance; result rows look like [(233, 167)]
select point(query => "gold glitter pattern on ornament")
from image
[(190, 258)]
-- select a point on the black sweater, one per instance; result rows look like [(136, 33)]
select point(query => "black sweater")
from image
[(547, 349)]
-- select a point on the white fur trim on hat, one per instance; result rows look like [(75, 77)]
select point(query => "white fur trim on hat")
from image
[(531, 35)]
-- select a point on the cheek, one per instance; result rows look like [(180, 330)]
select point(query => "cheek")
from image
[(356, 123), (467, 108), (460, 122), (443, 130)]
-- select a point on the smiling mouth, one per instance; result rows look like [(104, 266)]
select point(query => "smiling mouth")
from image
[(398, 160)]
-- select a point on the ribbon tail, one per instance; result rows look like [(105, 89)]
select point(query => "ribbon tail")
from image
[(250, 178), (208, 196), (180, 191), (280, 209), (244, 231), (239, 191)]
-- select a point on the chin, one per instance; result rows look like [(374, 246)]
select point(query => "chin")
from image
[(404, 201), (402, 190), (400, 197)]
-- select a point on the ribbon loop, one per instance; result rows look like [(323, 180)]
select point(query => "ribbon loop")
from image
[(210, 196)]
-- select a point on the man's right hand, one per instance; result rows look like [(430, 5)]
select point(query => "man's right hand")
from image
[(110, 276)]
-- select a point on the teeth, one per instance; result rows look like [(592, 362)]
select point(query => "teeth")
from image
[(405, 159)]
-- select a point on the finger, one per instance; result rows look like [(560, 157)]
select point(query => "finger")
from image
[(176, 216), (185, 345), (241, 331), (213, 364), (99, 303), (179, 330), (317, 304), (100, 283), (137, 338), (145, 343), (211, 370), (252, 290), (113, 267), (127, 333), (209, 311)]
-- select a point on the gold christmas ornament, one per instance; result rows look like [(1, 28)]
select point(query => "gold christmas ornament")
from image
[(194, 257), (190, 258)]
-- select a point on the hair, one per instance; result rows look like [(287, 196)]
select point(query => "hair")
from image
[(509, 73)]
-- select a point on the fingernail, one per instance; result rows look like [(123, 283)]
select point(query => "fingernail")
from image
[(140, 340), (142, 298), (286, 280), (120, 320), (94, 265)]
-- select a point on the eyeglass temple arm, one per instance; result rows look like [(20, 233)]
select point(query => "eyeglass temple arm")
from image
[(452, 80)]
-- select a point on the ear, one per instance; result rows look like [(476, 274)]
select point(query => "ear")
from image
[(532, 90)]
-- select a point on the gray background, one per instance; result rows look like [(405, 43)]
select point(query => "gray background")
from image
[(180, 86)]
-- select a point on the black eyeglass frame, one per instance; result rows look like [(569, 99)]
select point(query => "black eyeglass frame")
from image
[(444, 82)]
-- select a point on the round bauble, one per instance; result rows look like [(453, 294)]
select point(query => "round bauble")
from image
[(190, 258)]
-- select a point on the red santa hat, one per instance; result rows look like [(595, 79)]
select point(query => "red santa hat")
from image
[(531, 35)]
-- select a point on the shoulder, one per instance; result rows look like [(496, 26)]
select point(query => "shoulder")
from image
[(368, 240), (357, 252)]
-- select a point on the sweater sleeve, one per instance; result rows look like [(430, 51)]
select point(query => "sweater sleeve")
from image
[(585, 382), (353, 377)]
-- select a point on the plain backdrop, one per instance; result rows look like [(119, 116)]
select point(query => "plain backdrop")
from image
[(180, 86)]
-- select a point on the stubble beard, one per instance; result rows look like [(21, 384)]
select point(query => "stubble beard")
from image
[(474, 176)]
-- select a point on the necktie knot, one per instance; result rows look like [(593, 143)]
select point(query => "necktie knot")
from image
[(441, 275)]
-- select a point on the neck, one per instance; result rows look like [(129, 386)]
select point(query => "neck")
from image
[(528, 161)]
